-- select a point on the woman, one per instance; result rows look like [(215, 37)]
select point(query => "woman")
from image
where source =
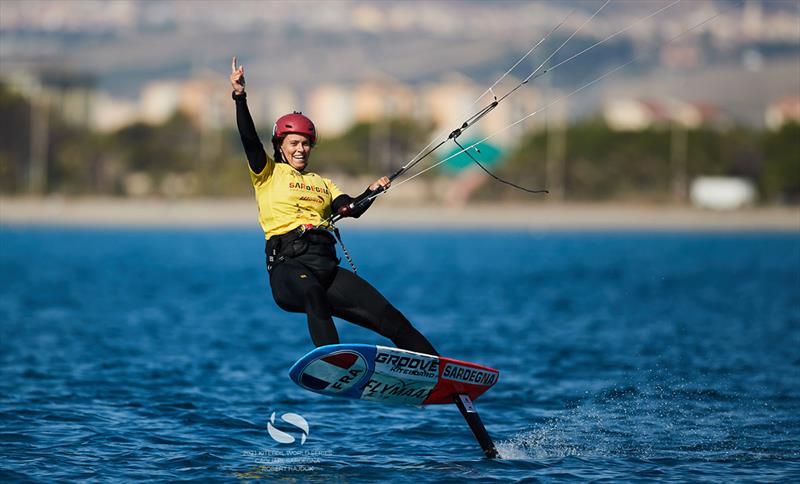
[(304, 272)]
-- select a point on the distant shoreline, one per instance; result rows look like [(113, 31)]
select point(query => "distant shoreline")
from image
[(241, 212)]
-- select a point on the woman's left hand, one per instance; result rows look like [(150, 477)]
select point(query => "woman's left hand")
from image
[(380, 182)]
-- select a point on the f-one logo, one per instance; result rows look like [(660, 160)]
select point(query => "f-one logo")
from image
[(469, 375), (282, 437)]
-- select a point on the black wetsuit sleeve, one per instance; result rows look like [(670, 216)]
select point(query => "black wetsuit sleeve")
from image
[(343, 200), (256, 156)]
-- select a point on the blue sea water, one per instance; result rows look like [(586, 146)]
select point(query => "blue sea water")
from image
[(160, 355)]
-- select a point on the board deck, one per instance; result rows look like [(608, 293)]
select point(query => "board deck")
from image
[(390, 375)]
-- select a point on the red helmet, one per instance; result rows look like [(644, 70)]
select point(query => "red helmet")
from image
[(295, 123)]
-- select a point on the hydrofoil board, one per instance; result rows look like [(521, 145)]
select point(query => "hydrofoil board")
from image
[(391, 375)]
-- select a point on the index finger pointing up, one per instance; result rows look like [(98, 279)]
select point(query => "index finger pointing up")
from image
[(233, 64)]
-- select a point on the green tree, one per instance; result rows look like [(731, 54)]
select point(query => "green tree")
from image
[(780, 171), (375, 148), (600, 163), (15, 123)]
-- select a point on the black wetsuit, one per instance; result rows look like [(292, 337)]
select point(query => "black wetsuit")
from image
[(305, 276)]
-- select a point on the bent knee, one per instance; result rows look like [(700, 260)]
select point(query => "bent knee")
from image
[(288, 305)]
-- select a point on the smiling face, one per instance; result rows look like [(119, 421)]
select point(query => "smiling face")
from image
[(296, 149)]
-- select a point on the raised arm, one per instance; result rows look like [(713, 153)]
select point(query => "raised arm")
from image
[(256, 156)]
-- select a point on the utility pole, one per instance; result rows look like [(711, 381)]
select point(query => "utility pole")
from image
[(678, 158), (556, 148), (39, 141)]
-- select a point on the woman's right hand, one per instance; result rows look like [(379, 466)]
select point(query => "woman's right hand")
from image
[(237, 77)]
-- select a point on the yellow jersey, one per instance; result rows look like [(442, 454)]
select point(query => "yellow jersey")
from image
[(288, 198)]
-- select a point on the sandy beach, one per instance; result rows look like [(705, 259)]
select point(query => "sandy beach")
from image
[(121, 212)]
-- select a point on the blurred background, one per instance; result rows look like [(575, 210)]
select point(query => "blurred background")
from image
[(131, 98), (628, 352)]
